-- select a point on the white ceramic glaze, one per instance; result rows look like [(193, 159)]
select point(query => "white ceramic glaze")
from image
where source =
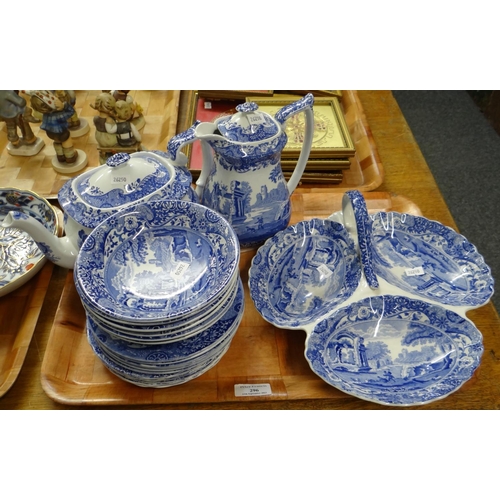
[(395, 350), (157, 261), (304, 271), (357, 222)]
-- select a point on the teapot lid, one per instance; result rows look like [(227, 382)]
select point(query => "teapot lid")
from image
[(248, 124), (122, 180)]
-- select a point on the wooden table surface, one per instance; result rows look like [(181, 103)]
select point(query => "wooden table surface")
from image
[(406, 174)]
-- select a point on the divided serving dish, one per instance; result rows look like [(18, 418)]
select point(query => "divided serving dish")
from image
[(401, 339)]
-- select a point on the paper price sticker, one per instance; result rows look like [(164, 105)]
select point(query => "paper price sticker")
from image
[(255, 119), (324, 271), (180, 269), (207, 105), (415, 271), (252, 390)]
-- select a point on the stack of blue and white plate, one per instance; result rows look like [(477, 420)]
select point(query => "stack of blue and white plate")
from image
[(161, 287)]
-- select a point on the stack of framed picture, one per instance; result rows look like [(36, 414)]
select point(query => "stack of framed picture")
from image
[(332, 147)]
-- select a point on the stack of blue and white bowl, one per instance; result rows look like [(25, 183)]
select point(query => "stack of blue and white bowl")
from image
[(161, 287)]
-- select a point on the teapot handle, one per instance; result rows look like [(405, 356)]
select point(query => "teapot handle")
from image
[(305, 104), (179, 141)]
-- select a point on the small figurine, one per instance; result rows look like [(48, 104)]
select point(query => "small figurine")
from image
[(77, 126), (115, 128), (105, 106), (137, 113), (127, 134), (14, 112), (56, 114)]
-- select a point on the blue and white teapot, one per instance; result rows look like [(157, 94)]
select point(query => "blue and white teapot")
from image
[(241, 176), (90, 198)]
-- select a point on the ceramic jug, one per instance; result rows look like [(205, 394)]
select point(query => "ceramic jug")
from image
[(241, 176)]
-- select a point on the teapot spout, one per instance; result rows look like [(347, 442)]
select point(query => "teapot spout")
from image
[(59, 250)]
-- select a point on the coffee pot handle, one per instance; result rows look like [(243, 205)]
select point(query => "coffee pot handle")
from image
[(179, 141), (306, 105)]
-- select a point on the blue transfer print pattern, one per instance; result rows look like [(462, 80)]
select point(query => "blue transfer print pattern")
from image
[(156, 260), (395, 350), (304, 271), (363, 226), (98, 207), (452, 270)]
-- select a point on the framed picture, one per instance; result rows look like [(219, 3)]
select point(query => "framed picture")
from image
[(331, 135)]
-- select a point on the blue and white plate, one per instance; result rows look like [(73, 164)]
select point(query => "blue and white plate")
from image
[(153, 380), (394, 350), (174, 357), (169, 336), (156, 261), (159, 372), (165, 332), (430, 260), (303, 271)]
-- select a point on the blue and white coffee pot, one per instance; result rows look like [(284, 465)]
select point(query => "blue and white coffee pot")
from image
[(241, 176)]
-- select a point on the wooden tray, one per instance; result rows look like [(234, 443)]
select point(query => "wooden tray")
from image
[(366, 172), (259, 353), (19, 311), (160, 108)]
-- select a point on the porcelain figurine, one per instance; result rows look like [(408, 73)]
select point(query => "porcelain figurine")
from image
[(14, 112), (56, 114), (115, 128), (127, 135), (90, 198), (137, 117), (241, 176), (107, 142)]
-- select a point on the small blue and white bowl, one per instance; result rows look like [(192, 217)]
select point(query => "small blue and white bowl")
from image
[(304, 271), (20, 257), (427, 259)]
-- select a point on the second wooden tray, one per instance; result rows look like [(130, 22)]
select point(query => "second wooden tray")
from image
[(160, 108)]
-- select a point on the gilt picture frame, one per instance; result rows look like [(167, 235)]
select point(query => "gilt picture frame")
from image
[(331, 139)]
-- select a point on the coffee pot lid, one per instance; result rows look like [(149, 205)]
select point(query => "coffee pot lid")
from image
[(248, 124)]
